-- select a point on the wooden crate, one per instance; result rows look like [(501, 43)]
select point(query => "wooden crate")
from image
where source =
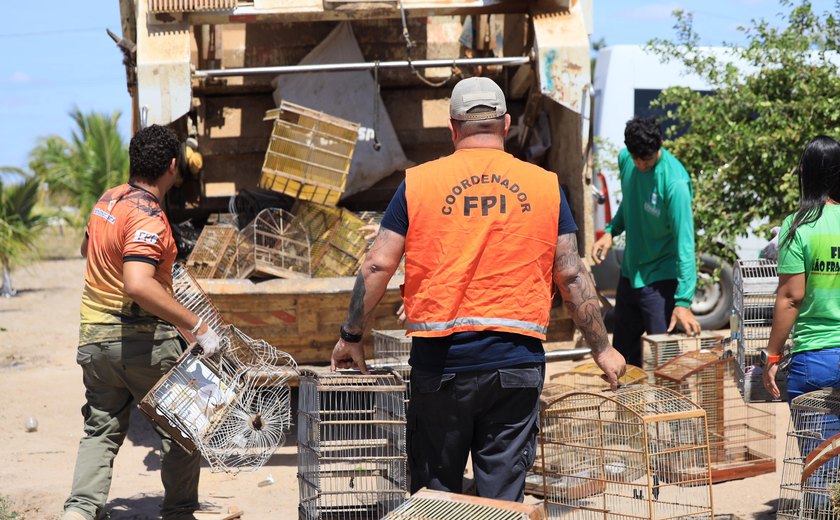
[(337, 242), (309, 154)]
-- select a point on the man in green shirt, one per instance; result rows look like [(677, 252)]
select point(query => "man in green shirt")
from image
[(658, 270)]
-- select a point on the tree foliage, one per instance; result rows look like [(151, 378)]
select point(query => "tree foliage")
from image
[(20, 223), (743, 142), (81, 169)]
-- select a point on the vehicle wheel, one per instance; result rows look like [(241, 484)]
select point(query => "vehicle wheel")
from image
[(712, 303)]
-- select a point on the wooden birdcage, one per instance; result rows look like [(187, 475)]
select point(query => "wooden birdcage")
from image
[(662, 348), (337, 242), (639, 452), (438, 505), (309, 153), (391, 345), (754, 296), (279, 246), (741, 435), (810, 486), (351, 445), (583, 377), (217, 254)]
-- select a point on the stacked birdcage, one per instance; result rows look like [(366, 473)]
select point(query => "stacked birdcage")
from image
[(309, 153), (741, 435), (278, 246), (338, 243), (427, 504), (810, 486), (754, 296), (662, 348), (218, 253), (639, 452), (351, 445), (392, 348), (234, 407)]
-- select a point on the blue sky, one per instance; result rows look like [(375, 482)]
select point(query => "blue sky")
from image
[(56, 56)]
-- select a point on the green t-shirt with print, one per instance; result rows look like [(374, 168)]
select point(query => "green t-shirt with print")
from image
[(815, 251)]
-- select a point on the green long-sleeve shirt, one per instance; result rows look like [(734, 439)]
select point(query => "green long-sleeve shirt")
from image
[(655, 212)]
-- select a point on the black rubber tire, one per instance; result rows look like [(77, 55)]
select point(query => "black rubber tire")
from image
[(714, 315)]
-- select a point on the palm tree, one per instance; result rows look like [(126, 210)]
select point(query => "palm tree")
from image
[(81, 169), (19, 222)]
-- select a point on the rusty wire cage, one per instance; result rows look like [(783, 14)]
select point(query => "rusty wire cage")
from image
[(351, 445), (662, 348), (235, 406), (640, 452), (810, 486), (741, 435), (309, 153), (427, 504), (278, 246), (217, 254), (754, 295), (338, 242)]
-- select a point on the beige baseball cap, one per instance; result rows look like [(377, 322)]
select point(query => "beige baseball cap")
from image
[(474, 92)]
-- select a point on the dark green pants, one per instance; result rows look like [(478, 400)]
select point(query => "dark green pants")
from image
[(116, 375)]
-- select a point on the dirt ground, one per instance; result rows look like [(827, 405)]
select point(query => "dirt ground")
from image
[(39, 378)]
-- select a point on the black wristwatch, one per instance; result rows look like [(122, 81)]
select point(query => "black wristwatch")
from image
[(348, 337)]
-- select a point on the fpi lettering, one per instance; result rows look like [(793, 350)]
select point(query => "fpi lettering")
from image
[(485, 203)]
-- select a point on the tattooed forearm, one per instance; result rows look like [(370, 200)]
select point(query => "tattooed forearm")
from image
[(578, 292), (356, 312)]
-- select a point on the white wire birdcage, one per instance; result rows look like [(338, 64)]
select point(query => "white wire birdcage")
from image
[(351, 445), (427, 504), (278, 246), (639, 452), (810, 486), (662, 348), (755, 283), (235, 406), (741, 435)]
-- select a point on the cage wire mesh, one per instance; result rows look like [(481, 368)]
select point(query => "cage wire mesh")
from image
[(278, 246), (583, 377), (741, 435), (436, 505), (662, 348), (351, 444), (810, 486), (309, 153), (217, 252), (235, 406), (754, 295), (639, 452)]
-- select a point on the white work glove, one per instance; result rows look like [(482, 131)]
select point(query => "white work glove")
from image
[(209, 342)]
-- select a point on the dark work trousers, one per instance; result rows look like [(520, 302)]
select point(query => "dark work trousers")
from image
[(647, 309), (493, 415)]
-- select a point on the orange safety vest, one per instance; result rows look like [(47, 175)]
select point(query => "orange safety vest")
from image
[(479, 251)]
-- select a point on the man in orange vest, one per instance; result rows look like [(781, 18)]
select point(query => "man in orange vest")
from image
[(485, 237)]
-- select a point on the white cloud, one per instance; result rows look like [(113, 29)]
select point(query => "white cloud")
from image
[(652, 12), (19, 77)]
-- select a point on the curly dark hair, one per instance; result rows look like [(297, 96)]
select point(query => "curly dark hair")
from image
[(151, 152), (642, 136)]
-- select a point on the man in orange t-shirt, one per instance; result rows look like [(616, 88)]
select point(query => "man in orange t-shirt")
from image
[(485, 237), (127, 336)]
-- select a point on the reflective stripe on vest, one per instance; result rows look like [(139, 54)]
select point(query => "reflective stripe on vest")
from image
[(479, 322)]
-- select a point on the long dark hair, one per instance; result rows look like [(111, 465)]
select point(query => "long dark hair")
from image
[(819, 171)]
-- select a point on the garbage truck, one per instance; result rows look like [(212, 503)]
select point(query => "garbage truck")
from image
[(212, 69)]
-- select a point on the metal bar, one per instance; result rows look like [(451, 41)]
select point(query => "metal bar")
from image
[(340, 67), (566, 354)]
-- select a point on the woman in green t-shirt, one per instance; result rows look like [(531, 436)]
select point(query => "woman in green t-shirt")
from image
[(808, 298)]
